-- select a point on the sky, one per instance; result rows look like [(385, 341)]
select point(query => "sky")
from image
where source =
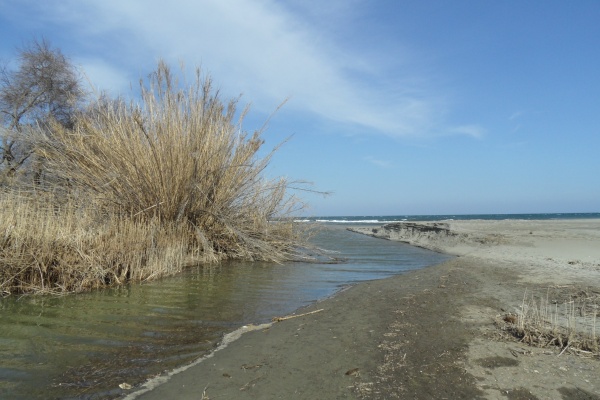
[(393, 107)]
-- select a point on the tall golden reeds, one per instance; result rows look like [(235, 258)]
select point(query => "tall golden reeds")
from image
[(138, 190), (50, 248)]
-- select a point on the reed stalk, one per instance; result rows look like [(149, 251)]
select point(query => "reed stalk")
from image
[(570, 324)]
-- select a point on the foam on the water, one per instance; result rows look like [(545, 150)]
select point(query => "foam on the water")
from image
[(228, 338)]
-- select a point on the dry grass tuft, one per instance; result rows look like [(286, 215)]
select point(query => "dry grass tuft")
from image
[(136, 191), (568, 325)]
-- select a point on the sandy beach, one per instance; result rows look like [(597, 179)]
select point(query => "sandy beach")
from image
[(441, 332)]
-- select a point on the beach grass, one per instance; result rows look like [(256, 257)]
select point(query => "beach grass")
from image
[(571, 324), (136, 191)]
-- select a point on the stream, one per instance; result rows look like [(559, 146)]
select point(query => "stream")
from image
[(83, 346)]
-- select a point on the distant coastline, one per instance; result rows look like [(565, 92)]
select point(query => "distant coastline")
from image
[(388, 219)]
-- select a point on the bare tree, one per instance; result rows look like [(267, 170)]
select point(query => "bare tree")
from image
[(44, 86)]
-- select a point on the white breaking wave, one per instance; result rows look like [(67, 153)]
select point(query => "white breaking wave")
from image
[(354, 221)]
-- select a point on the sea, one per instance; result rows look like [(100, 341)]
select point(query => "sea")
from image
[(99, 344), (388, 219)]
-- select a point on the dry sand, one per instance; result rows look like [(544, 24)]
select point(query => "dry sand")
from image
[(428, 334)]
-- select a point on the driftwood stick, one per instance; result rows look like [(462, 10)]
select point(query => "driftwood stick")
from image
[(566, 347), (279, 319)]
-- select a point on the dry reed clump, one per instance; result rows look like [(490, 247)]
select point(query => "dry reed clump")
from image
[(141, 189), (568, 325), (49, 249)]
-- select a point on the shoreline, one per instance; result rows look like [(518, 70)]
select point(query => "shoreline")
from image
[(430, 333)]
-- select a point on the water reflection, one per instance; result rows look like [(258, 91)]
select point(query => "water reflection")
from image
[(84, 346)]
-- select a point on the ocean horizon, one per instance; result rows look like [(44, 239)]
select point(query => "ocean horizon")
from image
[(388, 219)]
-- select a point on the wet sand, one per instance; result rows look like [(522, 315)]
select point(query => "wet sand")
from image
[(428, 334)]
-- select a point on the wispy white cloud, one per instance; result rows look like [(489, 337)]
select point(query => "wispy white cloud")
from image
[(516, 115), (474, 131), (260, 48), (101, 76), (378, 162), (517, 118)]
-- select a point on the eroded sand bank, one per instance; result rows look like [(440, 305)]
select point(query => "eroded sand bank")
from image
[(549, 251), (426, 334)]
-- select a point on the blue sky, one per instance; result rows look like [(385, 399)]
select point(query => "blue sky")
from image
[(396, 107)]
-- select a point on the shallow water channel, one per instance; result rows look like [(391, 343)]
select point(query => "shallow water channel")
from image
[(83, 346)]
